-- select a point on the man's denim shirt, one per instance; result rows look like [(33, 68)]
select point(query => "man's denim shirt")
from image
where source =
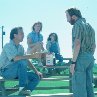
[(9, 52)]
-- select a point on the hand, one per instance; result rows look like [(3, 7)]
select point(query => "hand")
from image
[(40, 43), (72, 67), (17, 58), (39, 74), (37, 55)]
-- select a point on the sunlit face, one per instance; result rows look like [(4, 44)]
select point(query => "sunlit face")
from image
[(37, 27), (52, 37), (70, 19), (20, 35)]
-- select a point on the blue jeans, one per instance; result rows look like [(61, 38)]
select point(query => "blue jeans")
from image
[(59, 57), (82, 78), (18, 69)]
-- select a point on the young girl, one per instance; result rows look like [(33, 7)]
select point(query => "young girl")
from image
[(53, 46), (35, 40)]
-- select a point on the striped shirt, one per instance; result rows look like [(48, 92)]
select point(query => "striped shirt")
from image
[(86, 34), (9, 52)]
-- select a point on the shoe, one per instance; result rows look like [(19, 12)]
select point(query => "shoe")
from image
[(25, 93)]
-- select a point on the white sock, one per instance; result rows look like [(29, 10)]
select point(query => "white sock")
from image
[(21, 88)]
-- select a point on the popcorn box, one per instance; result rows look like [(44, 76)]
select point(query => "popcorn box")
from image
[(49, 59)]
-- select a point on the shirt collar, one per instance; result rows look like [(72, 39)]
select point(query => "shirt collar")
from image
[(13, 43), (35, 32), (80, 20)]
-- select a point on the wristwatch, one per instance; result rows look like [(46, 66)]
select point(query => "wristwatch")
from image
[(72, 62), (12, 60)]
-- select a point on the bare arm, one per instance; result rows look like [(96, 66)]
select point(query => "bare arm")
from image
[(75, 55), (32, 67), (76, 50), (36, 55), (77, 45), (30, 43)]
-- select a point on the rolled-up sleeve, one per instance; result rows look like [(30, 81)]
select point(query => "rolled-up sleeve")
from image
[(77, 30)]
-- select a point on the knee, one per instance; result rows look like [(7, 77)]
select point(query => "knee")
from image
[(37, 78), (23, 63)]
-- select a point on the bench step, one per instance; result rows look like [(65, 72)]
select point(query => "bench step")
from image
[(53, 95), (56, 95)]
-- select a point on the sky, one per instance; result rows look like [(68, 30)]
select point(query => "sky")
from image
[(52, 15)]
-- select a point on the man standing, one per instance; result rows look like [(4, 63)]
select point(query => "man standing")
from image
[(83, 47), (13, 63)]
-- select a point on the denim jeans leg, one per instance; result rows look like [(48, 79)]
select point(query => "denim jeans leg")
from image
[(17, 69), (22, 73), (10, 72), (59, 57), (33, 80), (82, 78), (78, 84), (89, 80)]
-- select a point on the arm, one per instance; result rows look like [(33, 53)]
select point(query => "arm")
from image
[(34, 69), (58, 47), (13, 55), (36, 55), (48, 45), (75, 55), (76, 49), (30, 43)]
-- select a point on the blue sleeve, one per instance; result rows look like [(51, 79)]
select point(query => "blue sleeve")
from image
[(29, 35), (41, 38), (10, 51), (48, 45), (58, 47)]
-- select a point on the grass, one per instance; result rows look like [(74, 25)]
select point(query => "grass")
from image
[(44, 84), (51, 84)]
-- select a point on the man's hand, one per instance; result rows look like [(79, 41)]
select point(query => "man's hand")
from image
[(37, 55), (72, 67), (39, 74)]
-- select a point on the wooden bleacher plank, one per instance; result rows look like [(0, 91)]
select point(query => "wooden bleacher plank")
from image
[(53, 95), (56, 95)]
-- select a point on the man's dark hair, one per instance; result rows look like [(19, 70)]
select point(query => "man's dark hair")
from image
[(14, 31), (74, 11)]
